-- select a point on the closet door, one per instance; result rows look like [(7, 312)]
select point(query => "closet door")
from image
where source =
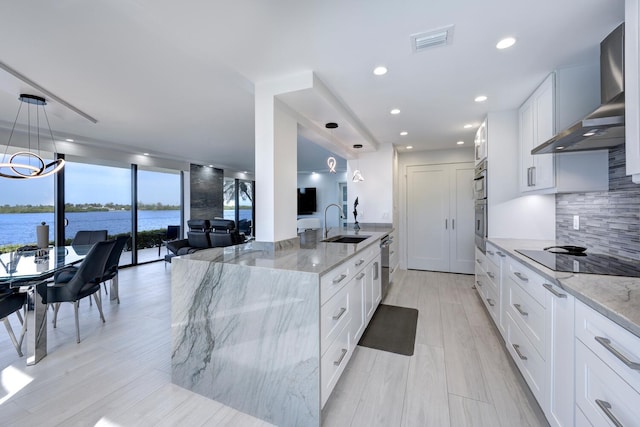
[(428, 217), (462, 246)]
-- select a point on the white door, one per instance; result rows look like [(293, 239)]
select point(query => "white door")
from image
[(440, 215), (427, 217)]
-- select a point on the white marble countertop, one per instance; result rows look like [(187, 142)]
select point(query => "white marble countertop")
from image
[(616, 297), (307, 254)]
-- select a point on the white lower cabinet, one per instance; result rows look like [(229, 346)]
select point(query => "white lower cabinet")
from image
[(350, 294)]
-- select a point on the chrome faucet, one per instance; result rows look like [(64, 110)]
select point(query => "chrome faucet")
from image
[(326, 229)]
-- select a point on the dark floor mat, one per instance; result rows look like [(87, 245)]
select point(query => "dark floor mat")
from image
[(392, 329)]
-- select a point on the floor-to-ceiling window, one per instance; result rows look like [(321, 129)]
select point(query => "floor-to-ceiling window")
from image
[(158, 208), (98, 198), (25, 204), (238, 203)]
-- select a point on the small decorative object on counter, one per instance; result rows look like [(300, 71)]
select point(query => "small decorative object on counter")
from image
[(42, 234), (356, 226)]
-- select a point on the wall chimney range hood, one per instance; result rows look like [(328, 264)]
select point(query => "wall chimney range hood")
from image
[(604, 127)]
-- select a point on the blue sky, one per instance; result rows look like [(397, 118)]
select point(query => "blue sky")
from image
[(93, 184)]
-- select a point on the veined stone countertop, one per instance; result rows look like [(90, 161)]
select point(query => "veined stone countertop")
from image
[(616, 297), (306, 253)]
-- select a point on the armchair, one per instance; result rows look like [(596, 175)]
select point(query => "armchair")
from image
[(11, 302)]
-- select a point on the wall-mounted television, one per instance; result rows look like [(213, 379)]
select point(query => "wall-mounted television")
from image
[(306, 200)]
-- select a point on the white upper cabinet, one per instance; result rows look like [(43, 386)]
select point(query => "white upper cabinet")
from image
[(480, 142), (632, 90), (559, 101)]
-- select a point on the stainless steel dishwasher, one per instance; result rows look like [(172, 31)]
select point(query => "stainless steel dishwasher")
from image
[(385, 242)]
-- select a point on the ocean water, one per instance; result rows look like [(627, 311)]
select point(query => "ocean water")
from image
[(21, 228)]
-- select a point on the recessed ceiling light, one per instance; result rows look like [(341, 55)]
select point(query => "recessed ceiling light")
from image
[(480, 98), (380, 71), (590, 133), (460, 142), (146, 154), (69, 140), (468, 126), (506, 42), (210, 166), (409, 147), (404, 133), (560, 148), (245, 172), (395, 111)]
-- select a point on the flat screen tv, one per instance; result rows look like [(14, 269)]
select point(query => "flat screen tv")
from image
[(306, 200)]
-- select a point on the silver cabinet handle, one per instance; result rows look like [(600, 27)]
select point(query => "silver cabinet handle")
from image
[(375, 266), (521, 276), (359, 262), (606, 408), (520, 310), (340, 313), (391, 252), (479, 261), (533, 176), (391, 270), (446, 224), (478, 282), (516, 347), (501, 254), (340, 278), (453, 223), (606, 343), (491, 302), (553, 291), (359, 276), (339, 361), (491, 275), (490, 252)]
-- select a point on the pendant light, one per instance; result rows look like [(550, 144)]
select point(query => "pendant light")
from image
[(331, 161), (357, 175), (29, 164)]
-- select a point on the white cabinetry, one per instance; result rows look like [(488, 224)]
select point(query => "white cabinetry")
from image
[(632, 88), (481, 144), (496, 259), (350, 294), (563, 97), (607, 370), (440, 217), (394, 256)]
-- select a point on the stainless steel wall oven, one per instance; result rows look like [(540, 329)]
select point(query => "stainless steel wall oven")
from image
[(480, 195)]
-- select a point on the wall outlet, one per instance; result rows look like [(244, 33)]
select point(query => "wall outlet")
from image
[(576, 222)]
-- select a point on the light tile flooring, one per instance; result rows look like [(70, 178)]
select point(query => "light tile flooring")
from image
[(119, 375)]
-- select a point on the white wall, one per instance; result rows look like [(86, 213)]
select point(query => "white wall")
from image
[(510, 214), (375, 193), (327, 192)]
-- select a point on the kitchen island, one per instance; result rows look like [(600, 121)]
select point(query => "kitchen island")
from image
[(246, 322)]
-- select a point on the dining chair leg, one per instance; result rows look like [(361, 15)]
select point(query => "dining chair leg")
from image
[(98, 299), (12, 336), (55, 313), (20, 317), (75, 309)]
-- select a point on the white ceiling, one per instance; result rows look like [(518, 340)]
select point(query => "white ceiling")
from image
[(176, 78)]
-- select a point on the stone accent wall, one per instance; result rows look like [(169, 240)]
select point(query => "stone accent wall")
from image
[(206, 185), (609, 220)]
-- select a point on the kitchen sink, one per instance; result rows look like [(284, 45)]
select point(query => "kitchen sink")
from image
[(346, 239)]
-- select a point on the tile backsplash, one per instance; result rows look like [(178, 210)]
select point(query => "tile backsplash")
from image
[(609, 220)]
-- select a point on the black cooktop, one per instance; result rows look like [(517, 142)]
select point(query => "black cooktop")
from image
[(584, 262)]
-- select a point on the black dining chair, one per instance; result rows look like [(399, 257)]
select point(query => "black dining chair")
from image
[(173, 233), (111, 267), (84, 283), (11, 302), (88, 237)]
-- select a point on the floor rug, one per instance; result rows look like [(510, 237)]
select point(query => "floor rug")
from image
[(392, 329)]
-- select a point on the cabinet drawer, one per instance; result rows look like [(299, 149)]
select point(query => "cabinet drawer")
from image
[(611, 339), (333, 316), (530, 281), (481, 259), (493, 274), (334, 361), (491, 301), (334, 280), (494, 254), (529, 362), (601, 394), (528, 315)]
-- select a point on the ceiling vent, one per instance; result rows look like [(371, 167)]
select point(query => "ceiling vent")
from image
[(430, 39)]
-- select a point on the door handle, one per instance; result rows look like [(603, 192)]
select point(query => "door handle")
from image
[(446, 224), (453, 223)]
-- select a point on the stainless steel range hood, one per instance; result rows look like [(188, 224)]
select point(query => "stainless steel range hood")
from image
[(604, 127)]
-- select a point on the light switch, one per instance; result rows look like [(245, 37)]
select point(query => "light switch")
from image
[(576, 222)]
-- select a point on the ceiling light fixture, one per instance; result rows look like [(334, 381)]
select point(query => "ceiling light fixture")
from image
[(28, 168), (506, 43), (460, 142), (480, 98), (404, 133), (69, 140), (395, 111), (357, 175), (409, 147), (331, 161), (468, 126), (145, 154), (380, 71)]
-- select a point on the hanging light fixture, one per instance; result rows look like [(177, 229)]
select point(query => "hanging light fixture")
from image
[(29, 164), (357, 175), (331, 161)]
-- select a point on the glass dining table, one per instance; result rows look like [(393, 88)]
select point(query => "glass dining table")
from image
[(29, 270)]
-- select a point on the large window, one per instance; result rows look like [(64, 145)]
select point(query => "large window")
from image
[(238, 204), (98, 198), (25, 204), (158, 207)]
